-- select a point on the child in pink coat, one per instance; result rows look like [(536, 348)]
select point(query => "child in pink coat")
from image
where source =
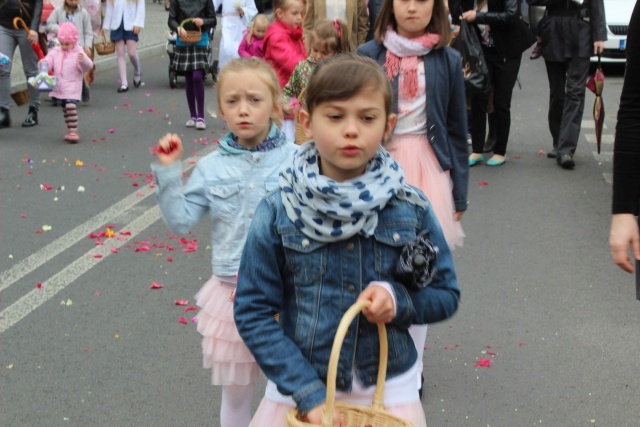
[(251, 44), (69, 63)]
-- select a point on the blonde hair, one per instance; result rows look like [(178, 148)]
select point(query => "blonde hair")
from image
[(326, 33), (260, 20), (261, 70), (284, 5)]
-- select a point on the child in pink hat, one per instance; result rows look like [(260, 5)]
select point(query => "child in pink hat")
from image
[(69, 63)]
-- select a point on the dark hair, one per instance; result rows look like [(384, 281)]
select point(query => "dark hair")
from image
[(342, 76), (326, 33), (439, 23)]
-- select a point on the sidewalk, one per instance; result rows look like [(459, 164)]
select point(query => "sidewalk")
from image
[(152, 42)]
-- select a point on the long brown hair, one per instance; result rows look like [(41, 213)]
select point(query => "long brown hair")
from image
[(326, 33), (439, 23)]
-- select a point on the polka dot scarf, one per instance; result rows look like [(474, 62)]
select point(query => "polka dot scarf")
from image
[(328, 211)]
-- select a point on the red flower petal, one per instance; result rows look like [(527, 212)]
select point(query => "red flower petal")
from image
[(482, 363), (181, 302), (155, 285), (182, 320)]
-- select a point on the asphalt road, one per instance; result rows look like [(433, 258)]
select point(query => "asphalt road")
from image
[(85, 341)]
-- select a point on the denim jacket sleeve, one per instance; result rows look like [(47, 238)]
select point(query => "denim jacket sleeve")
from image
[(259, 296), (439, 300), (181, 210)]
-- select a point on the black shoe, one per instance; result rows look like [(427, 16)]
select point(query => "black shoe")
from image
[(139, 82), (32, 118), (566, 162), (5, 119), (552, 154), (123, 89)]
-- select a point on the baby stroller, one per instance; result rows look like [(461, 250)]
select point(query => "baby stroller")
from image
[(213, 64)]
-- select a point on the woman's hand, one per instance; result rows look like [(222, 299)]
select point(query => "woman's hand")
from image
[(32, 37), (469, 16), (457, 216), (199, 22), (598, 47), (136, 30), (382, 308), (624, 235), (314, 416), (88, 51), (169, 149)]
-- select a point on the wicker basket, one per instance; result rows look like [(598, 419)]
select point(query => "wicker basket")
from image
[(354, 415), (192, 37), (300, 137), (105, 47), (20, 98)]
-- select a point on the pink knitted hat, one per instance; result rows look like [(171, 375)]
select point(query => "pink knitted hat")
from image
[(67, 33)]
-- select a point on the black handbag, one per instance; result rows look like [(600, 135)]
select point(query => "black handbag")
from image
[(474, 68)]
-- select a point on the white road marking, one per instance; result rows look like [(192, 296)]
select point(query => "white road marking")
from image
[(608, 177), (590, 124), (37, 259), (606, 139)]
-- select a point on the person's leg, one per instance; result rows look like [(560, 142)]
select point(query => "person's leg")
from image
[(135, 61), (419, 336), (235, 409), (122, 64), (30, 67), (556, 73), (8, 45), (504, 78), (191, 100), (198, 92), (478, 122), (71, 120), (577, 74)]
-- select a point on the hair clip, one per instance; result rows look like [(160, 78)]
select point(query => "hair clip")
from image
[(337, 26)]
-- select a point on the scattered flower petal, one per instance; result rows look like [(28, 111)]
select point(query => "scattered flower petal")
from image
[(483, 183), (97, 256), (482, 363), (46, 227), (155, 285), (79, 163), (191, 308), (81, 189), (112, 130), (182, 320), (181, 302), (114, 250), (46, 187)]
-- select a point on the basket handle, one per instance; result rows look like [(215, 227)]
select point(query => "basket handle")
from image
[(188, 20), (378, 397)]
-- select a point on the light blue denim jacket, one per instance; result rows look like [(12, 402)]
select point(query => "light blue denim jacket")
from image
[(311, 285), (227, 185)]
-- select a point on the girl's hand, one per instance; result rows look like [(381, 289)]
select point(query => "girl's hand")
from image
[(458, 216), (469, 16), (314, 416), (87, 50), (80, 56), (169, 149), (382, 308), (287, 109), (136, 30), (199, 22)]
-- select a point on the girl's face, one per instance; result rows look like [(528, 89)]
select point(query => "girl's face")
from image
[(318, 52), (412, 16), (292, 15), (66, 46), (348, 132), (246, 104), (259, 31)]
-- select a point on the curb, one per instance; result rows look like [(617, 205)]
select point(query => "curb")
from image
[(103, 63)]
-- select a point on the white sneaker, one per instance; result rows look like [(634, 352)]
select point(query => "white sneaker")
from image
[(191, 123), (200, 125)]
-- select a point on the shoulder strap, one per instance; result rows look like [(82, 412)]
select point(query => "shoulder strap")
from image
[(24, 9)]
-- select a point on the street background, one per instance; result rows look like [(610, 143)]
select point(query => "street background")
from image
[(85, 341)]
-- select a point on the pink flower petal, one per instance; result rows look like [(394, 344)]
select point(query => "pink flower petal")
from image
[(155, 285), (112, 130), (191, 308), (181, 302), (482, 363), (142, 249), (194, 320), (97, 255), (542, 153), (114, 250), (169, 259), (483, 183), (182, 320)]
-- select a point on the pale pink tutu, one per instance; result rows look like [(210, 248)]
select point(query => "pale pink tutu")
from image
[(223, 350), (272, 414), (422, 170)]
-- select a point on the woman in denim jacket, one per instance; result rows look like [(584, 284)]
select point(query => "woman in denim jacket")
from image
[(332, 236), (228, 184)]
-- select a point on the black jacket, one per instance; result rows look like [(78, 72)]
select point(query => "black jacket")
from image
[(10, 9), (510, 37), (183, 9), (568, 30)]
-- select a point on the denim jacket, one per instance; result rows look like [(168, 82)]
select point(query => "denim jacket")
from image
[(230, 188), (312, 284)]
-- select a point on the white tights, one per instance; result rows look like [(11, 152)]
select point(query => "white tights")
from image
[(133, 57), (235, 410)]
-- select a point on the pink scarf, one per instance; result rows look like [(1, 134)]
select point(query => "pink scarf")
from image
[(402, 56)]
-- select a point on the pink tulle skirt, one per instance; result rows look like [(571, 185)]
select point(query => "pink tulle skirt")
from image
[(422, 170), (272, 414), (223, 351)]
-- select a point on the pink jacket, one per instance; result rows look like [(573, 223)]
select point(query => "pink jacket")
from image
[(283, 49), (250, 50), (68, 70)]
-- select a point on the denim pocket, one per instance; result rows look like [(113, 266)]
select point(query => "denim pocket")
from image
[(306, 258), (226, 200), (388, 243)]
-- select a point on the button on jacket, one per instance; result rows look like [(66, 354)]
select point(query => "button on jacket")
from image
[(230, 188), (443, 72), (311, 285)]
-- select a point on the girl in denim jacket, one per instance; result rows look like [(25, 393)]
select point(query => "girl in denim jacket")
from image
[(330, 237), (228, 184)]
